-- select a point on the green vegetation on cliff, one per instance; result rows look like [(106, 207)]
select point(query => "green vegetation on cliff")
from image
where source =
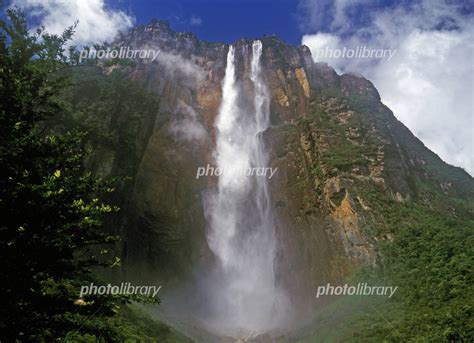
[(430, 257), (424, 239)]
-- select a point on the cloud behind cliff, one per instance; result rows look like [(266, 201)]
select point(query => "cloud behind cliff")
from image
[(429, 81), (97, 22)]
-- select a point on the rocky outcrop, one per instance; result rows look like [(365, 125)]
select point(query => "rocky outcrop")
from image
[(331, 137), (345, 143)]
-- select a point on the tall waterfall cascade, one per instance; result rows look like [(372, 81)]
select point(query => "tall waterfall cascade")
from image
[(240, 224)]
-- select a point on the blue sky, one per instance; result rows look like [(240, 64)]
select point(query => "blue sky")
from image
[(221, 21), (229, 20)]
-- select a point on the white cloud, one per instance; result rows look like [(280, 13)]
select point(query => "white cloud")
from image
[(429, 86), (429, 81), (97, 23), (188, 127), (195, 21)]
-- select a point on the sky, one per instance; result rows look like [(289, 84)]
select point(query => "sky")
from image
[(426, 75)]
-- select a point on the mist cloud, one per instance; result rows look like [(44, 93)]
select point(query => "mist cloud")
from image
[(187, 126), (176, 65)]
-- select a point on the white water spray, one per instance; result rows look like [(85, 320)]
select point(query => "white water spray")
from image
[(240, 224)]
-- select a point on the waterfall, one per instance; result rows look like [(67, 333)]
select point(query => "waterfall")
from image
[(240, 225)]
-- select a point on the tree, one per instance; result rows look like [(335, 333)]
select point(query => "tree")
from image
[(51, 209)]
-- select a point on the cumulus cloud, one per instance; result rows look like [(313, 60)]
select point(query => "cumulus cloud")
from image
[(187, 126), (97, 23), (429, 81)]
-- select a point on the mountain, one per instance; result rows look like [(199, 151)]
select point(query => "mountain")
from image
[(351, 178)]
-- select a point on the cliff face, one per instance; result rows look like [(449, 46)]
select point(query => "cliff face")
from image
[(332, 139)]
